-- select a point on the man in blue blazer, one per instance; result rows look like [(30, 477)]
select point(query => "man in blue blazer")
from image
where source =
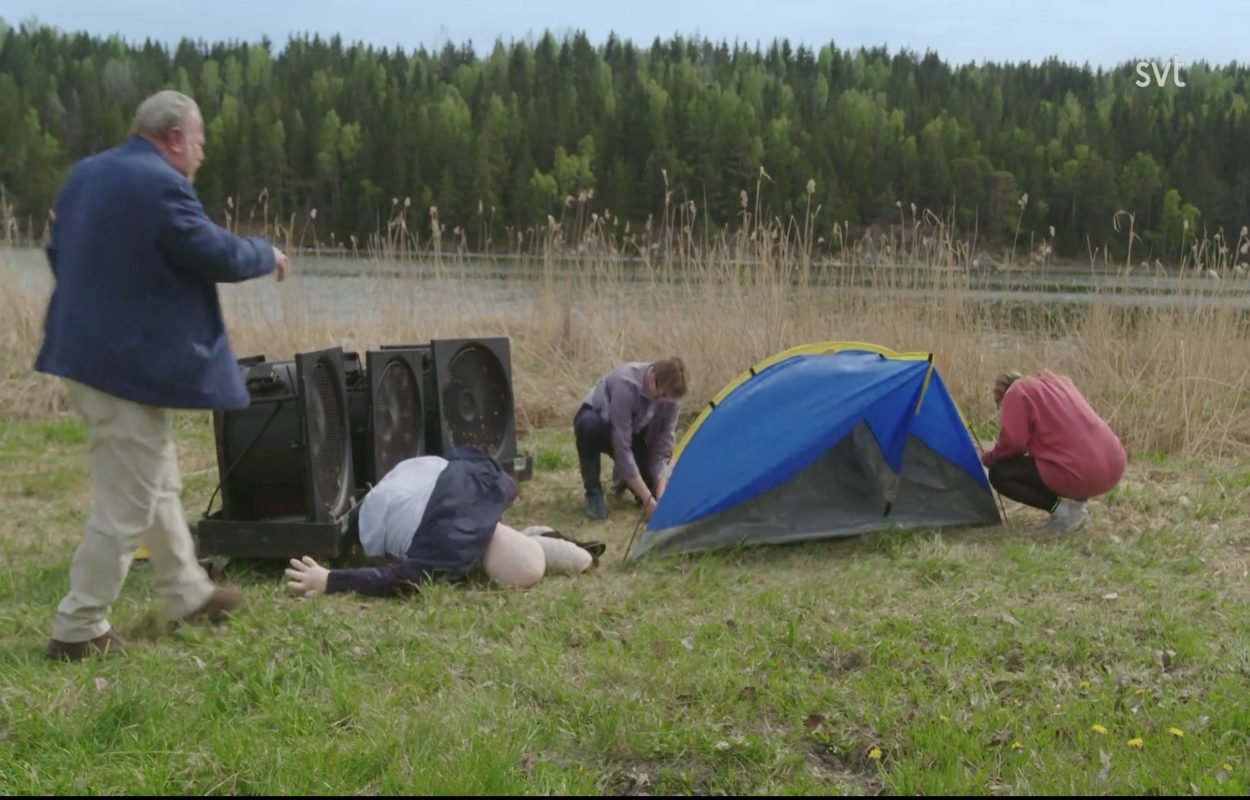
[(134, 328)]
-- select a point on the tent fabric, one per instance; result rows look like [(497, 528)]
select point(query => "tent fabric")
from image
[(825, 440)]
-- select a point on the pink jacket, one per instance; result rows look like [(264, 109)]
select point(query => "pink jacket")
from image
[(1077, 454)]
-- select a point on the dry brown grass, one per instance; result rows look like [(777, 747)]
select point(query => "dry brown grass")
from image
[(585, 292)]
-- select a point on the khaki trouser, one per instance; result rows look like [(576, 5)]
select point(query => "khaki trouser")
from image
[(135, 499)]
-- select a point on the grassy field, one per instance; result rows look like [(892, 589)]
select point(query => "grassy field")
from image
[(992, 660), (986, 661)]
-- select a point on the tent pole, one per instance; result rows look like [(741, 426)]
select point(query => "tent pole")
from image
[(981, 449), (641, 519)]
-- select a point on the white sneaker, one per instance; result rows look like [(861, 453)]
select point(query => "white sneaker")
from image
[(1068, 517)]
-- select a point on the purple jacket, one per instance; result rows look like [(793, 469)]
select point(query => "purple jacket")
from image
[(621, 398)]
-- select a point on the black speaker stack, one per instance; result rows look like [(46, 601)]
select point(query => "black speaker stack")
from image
[(322, 429)]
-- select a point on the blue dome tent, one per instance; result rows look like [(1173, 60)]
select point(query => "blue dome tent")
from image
[(826, 440)]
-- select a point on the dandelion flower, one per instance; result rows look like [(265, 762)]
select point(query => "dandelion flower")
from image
[(1177, 732), (1136, 742), (1098, 729), (875, 754)]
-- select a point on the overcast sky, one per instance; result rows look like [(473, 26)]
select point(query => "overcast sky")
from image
[(1100, 32)]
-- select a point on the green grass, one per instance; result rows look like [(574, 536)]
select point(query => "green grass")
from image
[(970, 661)]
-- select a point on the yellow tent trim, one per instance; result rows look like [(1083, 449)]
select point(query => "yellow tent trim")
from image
[(925, 387), (805, 350)]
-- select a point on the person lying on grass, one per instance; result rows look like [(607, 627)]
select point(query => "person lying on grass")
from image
[(438, 517)]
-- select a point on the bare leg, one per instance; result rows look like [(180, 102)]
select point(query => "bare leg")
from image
[(513, 559)]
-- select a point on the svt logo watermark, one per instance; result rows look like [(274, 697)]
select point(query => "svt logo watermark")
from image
[(1160, 78)]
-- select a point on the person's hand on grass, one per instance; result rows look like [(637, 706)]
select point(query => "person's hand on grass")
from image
[(308, 578)]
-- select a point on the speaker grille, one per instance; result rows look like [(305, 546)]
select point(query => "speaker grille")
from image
[(477, 401), (398, 417), (328, 438)]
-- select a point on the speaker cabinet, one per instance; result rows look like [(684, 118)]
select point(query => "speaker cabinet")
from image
[(285, 461), (397, 407), (473, 387)]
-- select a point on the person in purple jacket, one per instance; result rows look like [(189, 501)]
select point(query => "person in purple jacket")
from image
[(631, 415)]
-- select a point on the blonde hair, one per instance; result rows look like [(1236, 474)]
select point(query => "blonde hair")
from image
[(1005, 379), (670, 377)]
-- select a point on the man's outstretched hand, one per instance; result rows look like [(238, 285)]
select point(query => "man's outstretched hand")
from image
[(281, 265)]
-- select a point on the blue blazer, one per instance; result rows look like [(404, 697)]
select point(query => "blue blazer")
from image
[(136, 261)]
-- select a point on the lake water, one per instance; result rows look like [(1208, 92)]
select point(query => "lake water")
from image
[(343, 288)]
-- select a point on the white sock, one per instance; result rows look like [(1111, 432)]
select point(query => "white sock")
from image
[(563, 558)]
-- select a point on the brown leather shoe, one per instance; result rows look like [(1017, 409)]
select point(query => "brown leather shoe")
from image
[(220, 603), (107, 644)]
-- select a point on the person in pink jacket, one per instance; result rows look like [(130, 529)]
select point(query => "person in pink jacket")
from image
[(1053, 451)]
